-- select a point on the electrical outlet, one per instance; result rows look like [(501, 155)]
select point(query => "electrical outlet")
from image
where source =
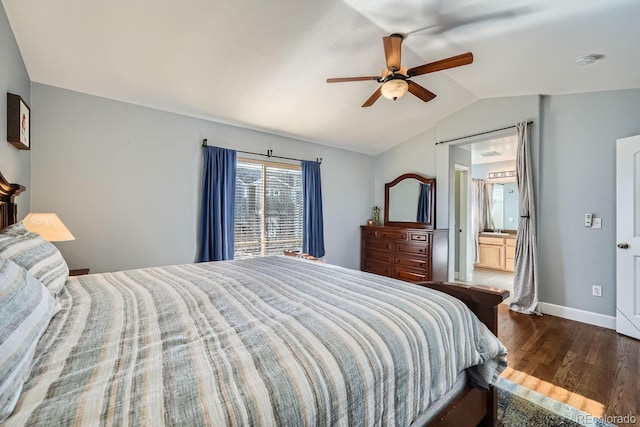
[(596, 291), (597, 223)]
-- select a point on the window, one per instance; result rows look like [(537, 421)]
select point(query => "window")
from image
[(268, 208)]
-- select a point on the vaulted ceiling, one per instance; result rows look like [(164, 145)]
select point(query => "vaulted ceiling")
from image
[(264, 64)]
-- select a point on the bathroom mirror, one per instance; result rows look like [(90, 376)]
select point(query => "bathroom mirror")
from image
[(409, 201), (505, 211)]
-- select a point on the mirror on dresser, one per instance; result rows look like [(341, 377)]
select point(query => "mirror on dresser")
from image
[(409, 201), (407, 247)]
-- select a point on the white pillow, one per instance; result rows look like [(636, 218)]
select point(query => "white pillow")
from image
[(26, 307), (36, 255)]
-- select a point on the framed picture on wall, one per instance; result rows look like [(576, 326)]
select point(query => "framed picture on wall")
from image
[(18, 122)]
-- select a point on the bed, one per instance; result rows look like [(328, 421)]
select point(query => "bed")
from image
[(264, 341)]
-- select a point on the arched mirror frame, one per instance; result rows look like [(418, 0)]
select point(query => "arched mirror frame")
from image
[(428, 225)]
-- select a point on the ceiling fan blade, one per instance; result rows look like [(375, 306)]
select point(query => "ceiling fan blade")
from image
[(392, 51), (373, 98), (422, 93), (352, 79), (450, 21), (443, 64)]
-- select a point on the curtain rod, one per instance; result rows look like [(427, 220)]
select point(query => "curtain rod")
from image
[(269, 154), (478, 134)]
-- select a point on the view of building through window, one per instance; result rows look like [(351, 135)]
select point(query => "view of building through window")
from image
[(268, 208)]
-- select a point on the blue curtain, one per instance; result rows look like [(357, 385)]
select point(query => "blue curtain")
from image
[(424, 198), (218, 199), (312, 224)]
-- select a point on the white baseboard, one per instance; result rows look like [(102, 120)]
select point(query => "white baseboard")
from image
[(578, 315)]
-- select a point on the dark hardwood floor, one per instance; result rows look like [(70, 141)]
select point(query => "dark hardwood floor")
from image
[(590, 368)]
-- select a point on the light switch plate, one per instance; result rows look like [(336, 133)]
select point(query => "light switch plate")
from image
[(587, 219), (597, 223)]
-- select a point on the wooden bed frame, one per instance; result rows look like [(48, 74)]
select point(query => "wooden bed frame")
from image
[(8, 208), (472, 407)]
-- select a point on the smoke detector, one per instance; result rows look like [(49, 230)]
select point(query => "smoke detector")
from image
[(583, 60)]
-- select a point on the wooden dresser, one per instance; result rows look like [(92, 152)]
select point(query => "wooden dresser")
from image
[(409, 254)]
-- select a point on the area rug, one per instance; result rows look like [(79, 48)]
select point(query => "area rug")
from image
[(519, 406)]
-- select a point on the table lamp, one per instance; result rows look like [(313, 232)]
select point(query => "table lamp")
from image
[(49, 226)]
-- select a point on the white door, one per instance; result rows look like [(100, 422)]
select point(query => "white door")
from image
[(628, 236)]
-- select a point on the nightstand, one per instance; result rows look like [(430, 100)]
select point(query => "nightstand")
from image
[(79, 272)]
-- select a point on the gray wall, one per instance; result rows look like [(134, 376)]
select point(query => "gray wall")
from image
[(481, 116), (126, 180), (15, 164), (416, 155), (578, 176), (573, 148)]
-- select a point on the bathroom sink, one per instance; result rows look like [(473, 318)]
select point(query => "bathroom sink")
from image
[(493, 233)]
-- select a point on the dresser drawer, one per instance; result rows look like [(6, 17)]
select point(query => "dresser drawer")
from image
[(410, 275), (393, 235), (410, 248), (418, 237), (373, 234), (386, 257), (378, 268), (381, 245), (408, 254), (411, 262)]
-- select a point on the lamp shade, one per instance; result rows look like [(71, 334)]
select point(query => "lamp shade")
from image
[(48, 225), (394, 89)]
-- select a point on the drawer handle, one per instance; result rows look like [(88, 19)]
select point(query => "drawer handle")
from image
[(417, 263)]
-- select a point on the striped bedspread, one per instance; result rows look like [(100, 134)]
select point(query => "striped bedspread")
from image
[(266, 341)]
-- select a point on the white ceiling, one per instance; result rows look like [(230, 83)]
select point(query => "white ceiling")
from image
[(263, 64)]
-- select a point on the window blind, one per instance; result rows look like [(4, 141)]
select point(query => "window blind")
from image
[(268, 208)]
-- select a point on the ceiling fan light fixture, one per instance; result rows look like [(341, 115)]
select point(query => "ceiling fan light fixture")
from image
[(394, 89)]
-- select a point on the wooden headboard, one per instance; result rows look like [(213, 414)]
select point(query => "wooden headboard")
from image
[(8, 208)]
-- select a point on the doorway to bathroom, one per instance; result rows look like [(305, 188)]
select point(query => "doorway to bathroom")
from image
[(486, 206)]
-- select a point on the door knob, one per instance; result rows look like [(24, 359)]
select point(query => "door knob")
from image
[(623, 245)]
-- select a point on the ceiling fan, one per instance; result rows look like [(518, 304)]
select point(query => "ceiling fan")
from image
[(395, 78)]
